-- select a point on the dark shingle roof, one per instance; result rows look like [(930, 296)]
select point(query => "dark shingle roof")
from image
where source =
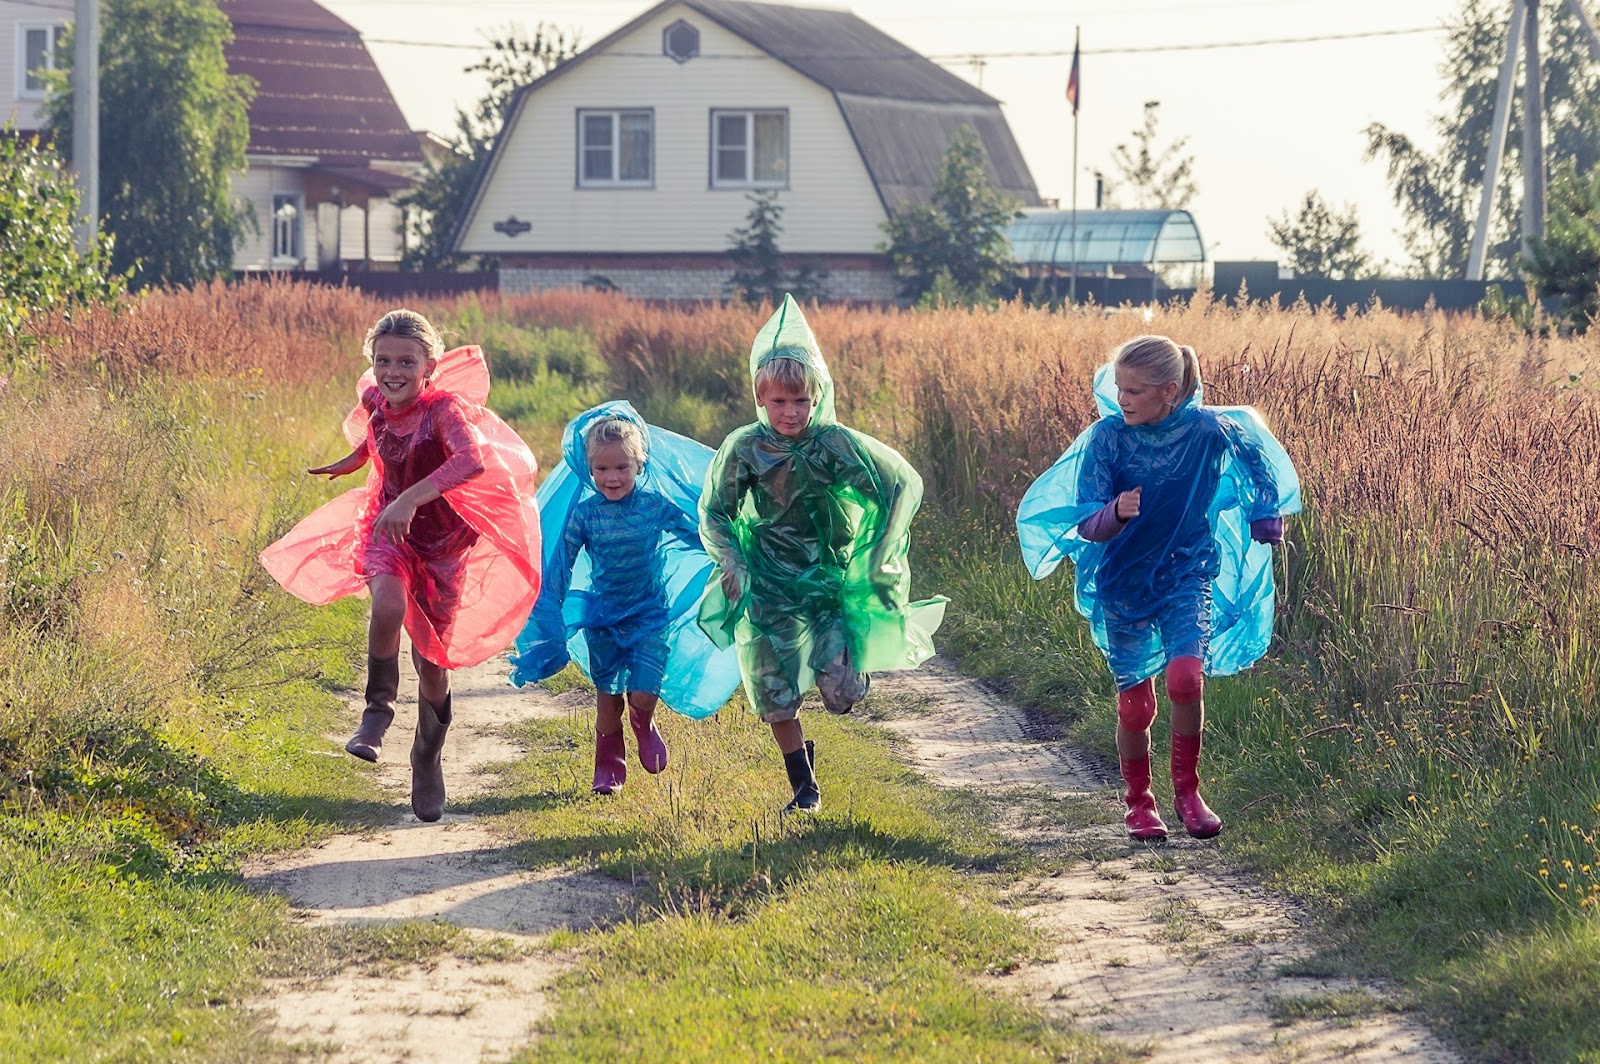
[(318, 91), (838, 50), (903, 143)]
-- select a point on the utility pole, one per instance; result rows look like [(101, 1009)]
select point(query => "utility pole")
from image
[(86, 116), (1497, 142), (1589, 32), (1533, 175)]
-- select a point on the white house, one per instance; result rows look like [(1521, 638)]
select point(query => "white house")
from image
[(328, 149), (634, 160)]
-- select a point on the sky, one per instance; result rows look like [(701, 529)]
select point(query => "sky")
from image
[(1266, 123)]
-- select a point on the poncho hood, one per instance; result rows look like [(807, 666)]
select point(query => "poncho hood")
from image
[(573, 441), (786, 335), (1106, 398)]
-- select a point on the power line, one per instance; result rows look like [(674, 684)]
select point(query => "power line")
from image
[(1204, 46)]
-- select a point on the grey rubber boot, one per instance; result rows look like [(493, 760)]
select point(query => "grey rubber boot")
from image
[(427, 765), (383, 686)]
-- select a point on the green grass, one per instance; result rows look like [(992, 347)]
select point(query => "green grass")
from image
[(1453, 835), (856, 934)]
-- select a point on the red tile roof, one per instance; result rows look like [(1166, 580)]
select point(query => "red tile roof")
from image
[(318, 92)]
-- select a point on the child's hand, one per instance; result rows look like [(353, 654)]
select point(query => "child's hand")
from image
[(1128, 504), (394, 523)]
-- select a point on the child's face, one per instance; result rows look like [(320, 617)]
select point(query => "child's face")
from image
[(1144, 403), (613, 471), (401, 368), (788, 409)]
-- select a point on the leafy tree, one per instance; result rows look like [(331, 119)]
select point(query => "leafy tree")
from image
[(759, 272), (960, 232), (40, 265), (1438, 191), (1565, 264), (440, 199), (1149, 177), (1320, 242), (174, 125)]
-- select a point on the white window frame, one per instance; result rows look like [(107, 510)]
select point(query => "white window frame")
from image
[(296, 254), (749, 114), (52, 32), (616, 115)]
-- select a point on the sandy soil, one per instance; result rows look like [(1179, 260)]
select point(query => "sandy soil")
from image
[(449, 1010), (1160, 947)]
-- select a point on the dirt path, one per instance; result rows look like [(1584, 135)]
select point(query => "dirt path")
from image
[(1158, 947), (452, 1009)]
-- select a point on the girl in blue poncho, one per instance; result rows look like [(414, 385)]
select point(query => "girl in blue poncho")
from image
[(1165, 507), (624, 570)]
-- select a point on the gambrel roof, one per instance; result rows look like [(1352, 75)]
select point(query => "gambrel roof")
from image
[(900, 107), (318, 92)]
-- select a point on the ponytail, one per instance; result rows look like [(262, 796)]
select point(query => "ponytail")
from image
[(1191, 374)]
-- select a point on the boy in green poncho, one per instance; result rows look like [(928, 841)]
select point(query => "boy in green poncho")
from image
[(809, 524)]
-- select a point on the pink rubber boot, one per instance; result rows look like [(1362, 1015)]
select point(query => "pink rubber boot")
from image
[(610, 763), (652, 748), (1198, 819), (1142, 819)]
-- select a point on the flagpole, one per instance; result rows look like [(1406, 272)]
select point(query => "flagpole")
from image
[(1072, 288)]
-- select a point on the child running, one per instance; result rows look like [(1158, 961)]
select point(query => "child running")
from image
[(625, 505), (1157, 504), (444, 535), (809, 523)]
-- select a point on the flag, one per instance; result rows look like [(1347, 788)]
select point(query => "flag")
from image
[(1072, 81)]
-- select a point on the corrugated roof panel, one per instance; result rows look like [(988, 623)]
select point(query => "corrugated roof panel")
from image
[(318, 91)]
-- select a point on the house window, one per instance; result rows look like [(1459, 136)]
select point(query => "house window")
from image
[(680, 41), (750, 149), (616, 148), (288, 213), (39, 45)]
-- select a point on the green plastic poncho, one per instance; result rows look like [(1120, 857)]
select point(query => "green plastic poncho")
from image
[(816, 528)]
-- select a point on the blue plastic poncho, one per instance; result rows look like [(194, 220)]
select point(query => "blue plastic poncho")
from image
[(1207, 473), (630, 598), (817, 531)]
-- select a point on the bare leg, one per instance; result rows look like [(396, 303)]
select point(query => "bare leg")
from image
[(388, 615), (433, 682), (789, 735), (607, 713)]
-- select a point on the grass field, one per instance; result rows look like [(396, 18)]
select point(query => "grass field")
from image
[(1426, 720)]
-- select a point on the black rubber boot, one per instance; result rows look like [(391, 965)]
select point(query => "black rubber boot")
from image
[(801, 766), (427, 764), (383, 686)]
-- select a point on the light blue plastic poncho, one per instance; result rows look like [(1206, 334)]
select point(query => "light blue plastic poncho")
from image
[(699, 677), (1207, 473), (817, 530)]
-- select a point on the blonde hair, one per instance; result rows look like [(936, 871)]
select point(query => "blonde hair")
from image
[(616, 430), (1162, 360), (409, 325), (790, 374)]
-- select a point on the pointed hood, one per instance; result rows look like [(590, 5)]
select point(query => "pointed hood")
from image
[(573, 447), (786, 335)]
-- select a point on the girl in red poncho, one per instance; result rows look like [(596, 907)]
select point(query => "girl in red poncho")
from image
[(444, 535)]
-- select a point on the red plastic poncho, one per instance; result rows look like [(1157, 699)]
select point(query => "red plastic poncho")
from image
[(471, 560)]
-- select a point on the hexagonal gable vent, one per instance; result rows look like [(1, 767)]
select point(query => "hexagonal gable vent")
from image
[(681, 41)]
